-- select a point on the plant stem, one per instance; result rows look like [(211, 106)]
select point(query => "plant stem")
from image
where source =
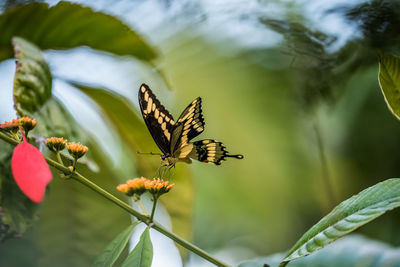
[(324, 165), (74, 164), (59, 158), (154, 207), (145, 219), (142, 207), (8, 139)]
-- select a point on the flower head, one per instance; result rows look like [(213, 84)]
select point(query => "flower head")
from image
[(133, 186), (76, 150), (9, 126), (137, 185), (26, 122), (56, 144), (124, 188), (157, 187)]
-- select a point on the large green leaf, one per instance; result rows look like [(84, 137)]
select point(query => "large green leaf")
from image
[(347, 217), (350, 251), (389, 80), (32, 82), (67, 25), (142, 254), (114, 249), (134, 132)]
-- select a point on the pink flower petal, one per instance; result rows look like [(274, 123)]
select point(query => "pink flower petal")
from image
[(30, 171)]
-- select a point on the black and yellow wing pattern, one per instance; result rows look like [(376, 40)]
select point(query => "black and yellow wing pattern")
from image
[(173, 138), (158, 120)]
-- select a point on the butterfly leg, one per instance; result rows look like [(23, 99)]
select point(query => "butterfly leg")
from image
[(171, 171), (160, 171)]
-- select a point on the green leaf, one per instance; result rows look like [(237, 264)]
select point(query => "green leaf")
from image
[(142, 254), (135, 134), (115, 248), (350, 251), (347, 217), (67, 25), (389, 81), (32, 82), (32, 93)]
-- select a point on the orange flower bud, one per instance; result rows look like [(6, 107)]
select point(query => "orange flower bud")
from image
[(56, 143), (157, 187), (9, 126), (124, 188), (76, 150), (26, 122)]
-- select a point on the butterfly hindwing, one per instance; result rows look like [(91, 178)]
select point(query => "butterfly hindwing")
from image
[(209, 150), (158, 120), (189, 125)]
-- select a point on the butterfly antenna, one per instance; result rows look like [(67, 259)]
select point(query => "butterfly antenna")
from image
[(237, 156), (149, 153)]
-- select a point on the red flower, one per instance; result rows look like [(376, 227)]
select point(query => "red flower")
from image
[(30, 171)]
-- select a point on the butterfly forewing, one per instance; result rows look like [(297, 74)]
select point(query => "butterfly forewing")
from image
[(189, 125), (158, 120)]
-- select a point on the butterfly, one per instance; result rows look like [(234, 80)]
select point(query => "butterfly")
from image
[(174, 137)]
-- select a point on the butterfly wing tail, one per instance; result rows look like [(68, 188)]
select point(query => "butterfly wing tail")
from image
[(211, 151)]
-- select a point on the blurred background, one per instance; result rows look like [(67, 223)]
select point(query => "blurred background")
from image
[(291, 85)]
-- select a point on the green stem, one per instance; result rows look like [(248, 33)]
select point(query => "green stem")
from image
[(74, 164), (8, 139), (154, 207), (145, 219), (142, 207), (327, 180), (59, 158)]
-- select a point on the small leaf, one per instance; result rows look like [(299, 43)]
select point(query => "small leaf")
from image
[(142, 254), (389, 81), (30, 171), (347, 217), (115, 248)]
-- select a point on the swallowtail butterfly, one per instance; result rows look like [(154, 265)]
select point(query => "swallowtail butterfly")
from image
[(173, 137)]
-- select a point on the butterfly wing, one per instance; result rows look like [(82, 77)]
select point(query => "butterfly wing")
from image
[(189, 125), (158, 120), (209, 150)]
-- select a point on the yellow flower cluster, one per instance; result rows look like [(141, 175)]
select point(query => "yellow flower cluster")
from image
[(9, 126), (26, 122), (76, 150), (133, 186), (138, 186), (158, 186), (56, 143)]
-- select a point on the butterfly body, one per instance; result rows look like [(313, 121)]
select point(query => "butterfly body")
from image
[(173, 138)]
